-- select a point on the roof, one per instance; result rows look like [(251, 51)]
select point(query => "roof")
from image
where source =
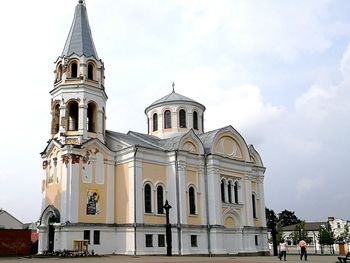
[(79, 39), (309, 226), (14, 219), (169, 144), (172, 97)]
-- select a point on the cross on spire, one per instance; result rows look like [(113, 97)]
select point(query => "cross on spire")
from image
[(173, 86)]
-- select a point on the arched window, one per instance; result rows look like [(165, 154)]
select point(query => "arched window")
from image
[(229, 191), (73, 113), (55, 120), (192, 200), (254, 206), (182, 116), (160, 200), (222, 190), (148, 198), (90, 74), (235, 187), (74, 70), (195, 120), (59, 73), (155, 122), (91, 117), (167, 119)]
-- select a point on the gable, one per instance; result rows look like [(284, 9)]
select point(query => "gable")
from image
[(191, 143), (229, 143)]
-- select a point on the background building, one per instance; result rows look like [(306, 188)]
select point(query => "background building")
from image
[(106, 189)]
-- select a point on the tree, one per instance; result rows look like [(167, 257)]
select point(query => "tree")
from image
[(271, 220), (287, 218), (344, 237), (280, 234), (326, 236), (300, 233)]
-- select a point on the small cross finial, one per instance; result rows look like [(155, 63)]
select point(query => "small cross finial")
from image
[(173, 86)]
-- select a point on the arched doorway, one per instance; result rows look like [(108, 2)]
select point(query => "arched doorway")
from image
[(48, 218)]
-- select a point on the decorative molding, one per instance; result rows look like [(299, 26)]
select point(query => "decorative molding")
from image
[(45, 163), (227, 147)]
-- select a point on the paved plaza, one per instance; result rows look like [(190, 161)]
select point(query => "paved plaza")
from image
[(161, 259)]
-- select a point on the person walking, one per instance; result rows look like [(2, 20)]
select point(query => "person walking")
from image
[(302, 245), (283, 250)]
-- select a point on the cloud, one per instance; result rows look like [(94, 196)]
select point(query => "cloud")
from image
[(259, 27), (305, 186)]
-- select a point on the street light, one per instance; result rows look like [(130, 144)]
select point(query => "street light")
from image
[(167, 207)]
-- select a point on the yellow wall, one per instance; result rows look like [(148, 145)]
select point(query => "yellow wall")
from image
[(53, 190), (122, 194), (154, 173), (101, 189)]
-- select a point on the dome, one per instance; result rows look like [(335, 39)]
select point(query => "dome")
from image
[(173, 115), (173, 97)]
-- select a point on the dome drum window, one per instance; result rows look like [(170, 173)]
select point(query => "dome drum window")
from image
[(182, 119), (167, 119), (155, 122), (195, 120)]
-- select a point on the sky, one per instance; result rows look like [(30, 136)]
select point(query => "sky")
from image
[(277, 71)]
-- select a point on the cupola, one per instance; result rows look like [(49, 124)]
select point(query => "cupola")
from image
[(174, 114)]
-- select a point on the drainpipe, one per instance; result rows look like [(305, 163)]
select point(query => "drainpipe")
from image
[(178, 203), (135, 243), (207, 203)]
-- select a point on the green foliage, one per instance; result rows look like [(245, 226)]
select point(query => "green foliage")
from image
[(326, 235), (280, 234), (287, 218), (300, 233), (344, 237), (271, 218)]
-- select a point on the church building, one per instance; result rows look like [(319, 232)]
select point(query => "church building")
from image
[(105, 190)]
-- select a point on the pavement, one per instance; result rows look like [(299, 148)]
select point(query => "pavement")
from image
[(163, 259)]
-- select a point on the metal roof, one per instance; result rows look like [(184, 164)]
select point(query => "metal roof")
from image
[(173, 97), (79, 39)]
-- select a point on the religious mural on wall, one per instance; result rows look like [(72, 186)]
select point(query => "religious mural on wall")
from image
[(92, 202)]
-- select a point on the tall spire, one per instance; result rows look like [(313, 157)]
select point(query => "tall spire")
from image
[(79, 39)]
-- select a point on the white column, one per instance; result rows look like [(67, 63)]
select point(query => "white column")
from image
[(110, 192), (43, 236), (214, 195), (99, 124), (65, 189), (82, 125), (74, 188), (261, 201), (62, 115), (248, 201)]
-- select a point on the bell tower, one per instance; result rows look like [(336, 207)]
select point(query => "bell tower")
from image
[(78, 99)]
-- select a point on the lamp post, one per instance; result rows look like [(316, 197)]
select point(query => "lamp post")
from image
[(167, 207)]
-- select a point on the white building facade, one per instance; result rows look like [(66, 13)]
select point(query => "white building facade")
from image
[(106, 189)]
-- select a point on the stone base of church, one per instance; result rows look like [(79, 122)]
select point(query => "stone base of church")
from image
[(122, 240)]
